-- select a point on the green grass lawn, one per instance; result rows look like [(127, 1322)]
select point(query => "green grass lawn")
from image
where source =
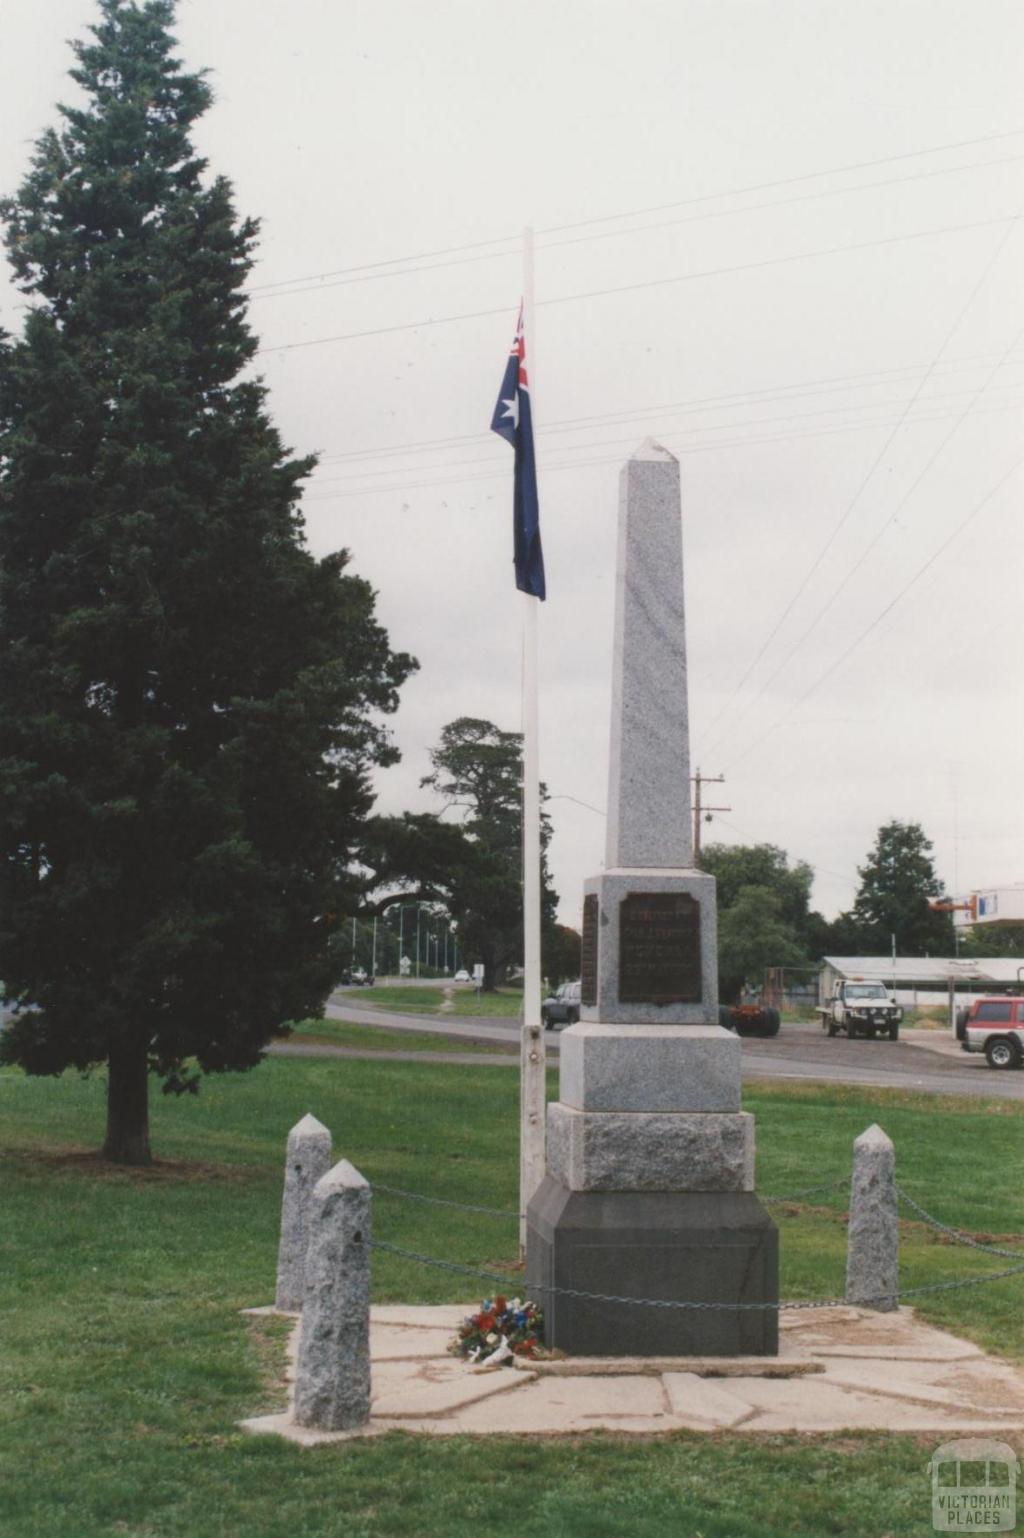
[(505, 1004), (125, 1363), (368, 1037), (414, 1001)]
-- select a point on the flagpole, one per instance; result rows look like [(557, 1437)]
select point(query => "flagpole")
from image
[(532, 1081)]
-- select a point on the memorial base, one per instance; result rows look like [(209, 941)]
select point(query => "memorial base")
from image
[(719, 1247)]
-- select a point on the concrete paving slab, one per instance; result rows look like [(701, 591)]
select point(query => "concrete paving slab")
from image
[(397, 1342), (704, 1400), (814, 1318), (654, 1366), (412, 1389), (840, 1369), (558, 1405), (870, 1333), (988, 1388), (419, 1316), (817, 1404), (962, 1350)]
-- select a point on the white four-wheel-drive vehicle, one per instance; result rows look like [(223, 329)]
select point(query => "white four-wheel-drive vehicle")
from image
[(861, 1009), (995, 1027)]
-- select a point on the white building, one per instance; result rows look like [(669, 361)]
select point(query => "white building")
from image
[(923, 979)]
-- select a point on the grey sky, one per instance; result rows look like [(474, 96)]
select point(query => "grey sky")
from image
[(365, 132)]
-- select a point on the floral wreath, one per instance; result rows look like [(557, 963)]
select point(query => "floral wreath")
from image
[(501, 1329)]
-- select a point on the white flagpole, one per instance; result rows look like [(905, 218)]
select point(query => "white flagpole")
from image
[(532, 1093)]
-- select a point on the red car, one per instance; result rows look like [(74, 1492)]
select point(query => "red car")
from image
[(995, 1027)]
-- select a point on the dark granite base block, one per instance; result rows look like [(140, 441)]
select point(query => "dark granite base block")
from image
[(695, 1246)]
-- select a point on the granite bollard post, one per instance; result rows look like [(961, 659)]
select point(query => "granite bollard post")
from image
[(332, 1375), (308, 1157), (649, 1189), (872, 1253)]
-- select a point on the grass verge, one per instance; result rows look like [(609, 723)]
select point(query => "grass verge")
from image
[(372, 1038), (126, 1363), (505, 1004)]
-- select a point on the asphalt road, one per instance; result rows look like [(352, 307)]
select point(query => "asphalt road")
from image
[(798, 1052)]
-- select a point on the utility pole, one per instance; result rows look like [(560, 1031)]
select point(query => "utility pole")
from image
[(700, 811)]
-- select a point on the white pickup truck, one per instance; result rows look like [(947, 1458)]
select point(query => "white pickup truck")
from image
[(861, 1009)]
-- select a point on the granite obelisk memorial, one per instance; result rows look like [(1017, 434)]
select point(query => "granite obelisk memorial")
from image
[(649, 1190)]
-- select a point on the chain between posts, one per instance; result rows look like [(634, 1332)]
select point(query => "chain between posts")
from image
[(955, 1233), (444, 1201), (597, 1297), (507, 1212), (510, 1285), (590, 1297)]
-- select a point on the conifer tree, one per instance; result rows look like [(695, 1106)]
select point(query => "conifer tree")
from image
[(896, 885), (189, 701)]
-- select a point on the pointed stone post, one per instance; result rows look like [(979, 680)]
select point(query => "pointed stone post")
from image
[(332, 1374), (308, 1158), (872, 1253)]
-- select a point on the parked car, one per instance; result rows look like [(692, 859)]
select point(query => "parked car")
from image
[(861, 1008), (995, 1026), (561, 1007), (356, 979), (462, 976)]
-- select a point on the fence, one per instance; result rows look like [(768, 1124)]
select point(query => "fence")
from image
[(327, 1240)]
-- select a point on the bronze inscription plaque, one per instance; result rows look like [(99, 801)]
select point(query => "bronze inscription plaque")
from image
[(659, 948), (588, 956)]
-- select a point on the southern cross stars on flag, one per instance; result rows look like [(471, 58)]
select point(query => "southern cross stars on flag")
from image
[(512, 421)]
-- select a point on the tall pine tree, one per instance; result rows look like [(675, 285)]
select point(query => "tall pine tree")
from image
[(896, 886), (189, 701)]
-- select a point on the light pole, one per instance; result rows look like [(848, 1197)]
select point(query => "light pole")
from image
[(401, 934)]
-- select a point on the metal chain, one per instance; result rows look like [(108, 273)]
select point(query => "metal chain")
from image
[(601, 1297), (966, 1281), (955, 1233), (828, 1185), (506, 1212), (591, 1297), (443, 1201)]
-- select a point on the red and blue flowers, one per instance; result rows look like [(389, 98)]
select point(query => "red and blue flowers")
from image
[(501, 1330)]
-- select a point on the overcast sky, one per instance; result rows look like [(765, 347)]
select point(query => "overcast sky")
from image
[(780, 236)]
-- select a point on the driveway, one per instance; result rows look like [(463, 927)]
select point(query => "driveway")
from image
[(798, 1052)]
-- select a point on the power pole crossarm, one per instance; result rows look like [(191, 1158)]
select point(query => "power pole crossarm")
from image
[(700, 811)]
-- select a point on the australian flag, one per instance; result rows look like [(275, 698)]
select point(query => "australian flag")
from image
[(512, 421)]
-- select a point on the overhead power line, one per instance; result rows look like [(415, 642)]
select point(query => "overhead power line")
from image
[(851, 571), (657, 208), (330, 282), (749, 839), (844, 517), (356, 473), (796, 390), (500, 473), (883, 614), (648, 283)]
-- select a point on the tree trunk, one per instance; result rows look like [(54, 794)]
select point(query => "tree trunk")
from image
[(127, 1140)]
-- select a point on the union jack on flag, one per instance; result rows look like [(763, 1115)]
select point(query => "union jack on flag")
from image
[(512, 421)]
